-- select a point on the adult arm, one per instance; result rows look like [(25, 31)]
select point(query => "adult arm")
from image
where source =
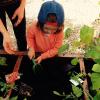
[(19, 12), (6, 39)]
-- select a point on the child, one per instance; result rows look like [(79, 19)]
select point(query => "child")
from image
[(45, 36)]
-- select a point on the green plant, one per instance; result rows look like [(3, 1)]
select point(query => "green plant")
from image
[(67, 32), (36, 67), (63, 48), (3, 61), (91, 46)]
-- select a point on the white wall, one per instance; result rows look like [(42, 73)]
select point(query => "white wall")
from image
[(79, 11)]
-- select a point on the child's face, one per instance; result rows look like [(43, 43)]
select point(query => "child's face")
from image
[(49, 28)]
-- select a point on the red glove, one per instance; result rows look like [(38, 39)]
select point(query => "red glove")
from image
[(11, 78)]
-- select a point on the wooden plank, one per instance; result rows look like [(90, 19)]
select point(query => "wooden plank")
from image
[(71, 55), (19, 53), (85, 83), (16, 69)]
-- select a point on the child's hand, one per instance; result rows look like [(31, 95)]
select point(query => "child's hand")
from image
[(31, 53), (38, 60)]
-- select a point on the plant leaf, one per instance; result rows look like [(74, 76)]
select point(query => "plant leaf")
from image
[(3, 61), (74, 61), (77, 91), (63, 48), (57, 93), (97, 61), (25, 98), (1, 98), (96, 68), (14, 98), (92, 53), (95, 78), (86, 34), (76, 44), (67, 32), (97, 96)]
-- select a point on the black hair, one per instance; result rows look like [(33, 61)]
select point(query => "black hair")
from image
[(50, 19)]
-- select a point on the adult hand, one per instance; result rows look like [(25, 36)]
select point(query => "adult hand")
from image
[(31, 53), (7, 44), (19, 12)]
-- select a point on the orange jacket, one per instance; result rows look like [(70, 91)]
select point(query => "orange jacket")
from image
[(47, 45)]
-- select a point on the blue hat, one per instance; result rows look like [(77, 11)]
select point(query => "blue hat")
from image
[(51, 7)]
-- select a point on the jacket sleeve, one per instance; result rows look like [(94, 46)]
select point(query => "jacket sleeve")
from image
[(52, 52), (30, 37)]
